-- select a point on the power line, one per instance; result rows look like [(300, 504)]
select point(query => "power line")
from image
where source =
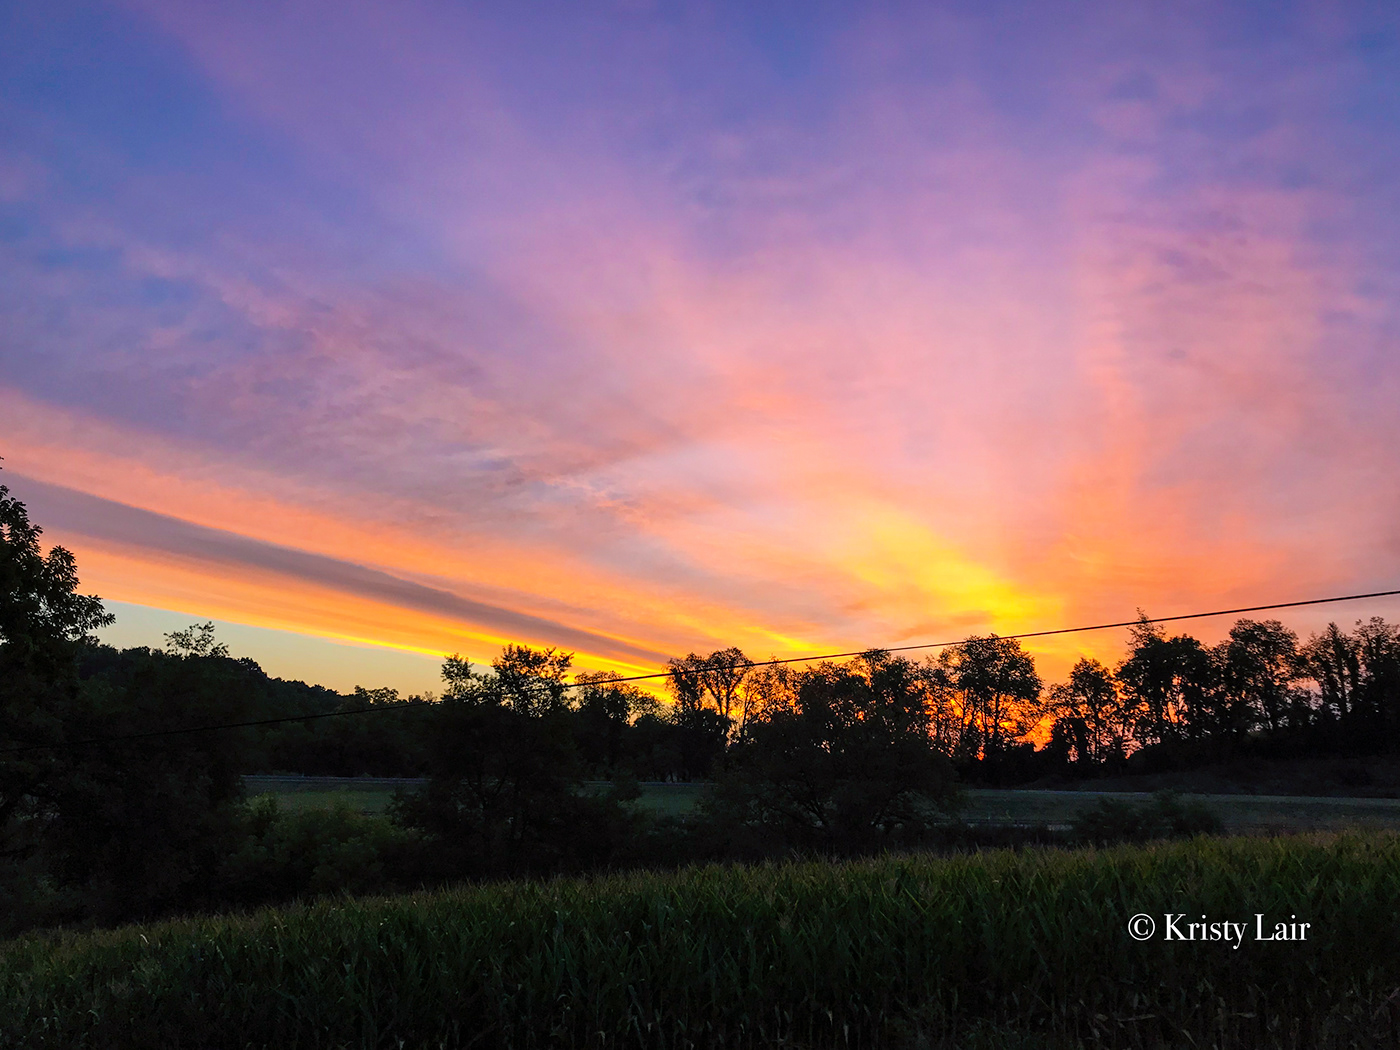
[(380, 708), (1032, 634)]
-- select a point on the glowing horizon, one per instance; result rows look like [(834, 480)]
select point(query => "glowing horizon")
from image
[(641, 329)]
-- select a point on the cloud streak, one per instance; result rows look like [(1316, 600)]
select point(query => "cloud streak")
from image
[(109, 522)]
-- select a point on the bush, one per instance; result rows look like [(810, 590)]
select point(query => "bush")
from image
[(313, 852), (850, 769), (1165, 817), (505, 796)]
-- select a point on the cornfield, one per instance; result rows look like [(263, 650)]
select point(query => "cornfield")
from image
[(1026, 948)]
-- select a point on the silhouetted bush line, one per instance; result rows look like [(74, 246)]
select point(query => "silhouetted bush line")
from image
[(1004, 948), (1166, 817), (285, 856)]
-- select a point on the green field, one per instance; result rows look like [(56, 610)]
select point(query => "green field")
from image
[(983, 806), (1238, 813), (367, 799), (369, 795), (999, 949)]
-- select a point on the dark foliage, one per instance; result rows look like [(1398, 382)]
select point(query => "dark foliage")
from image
[(504, 793), (139, 825), (44, 622), (1165, 817), (850, 768), (282, 856), (104, 819)]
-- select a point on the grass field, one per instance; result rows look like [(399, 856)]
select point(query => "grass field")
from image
[(372, 795), (364, 795), (999, 949), (1242, 813), (1239, 813)]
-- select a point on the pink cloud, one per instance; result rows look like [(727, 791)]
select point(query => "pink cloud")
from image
[(953, 341)]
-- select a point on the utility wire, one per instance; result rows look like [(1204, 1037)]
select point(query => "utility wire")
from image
[(378, 708), (1027, 634)]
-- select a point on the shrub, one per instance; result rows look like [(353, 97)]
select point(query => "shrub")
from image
[(1165, 817), (316, 851)]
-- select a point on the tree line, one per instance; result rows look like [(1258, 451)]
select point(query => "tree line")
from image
[(1170, 702), (529, 768)]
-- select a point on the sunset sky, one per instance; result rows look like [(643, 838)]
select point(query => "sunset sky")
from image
[(390, 330)]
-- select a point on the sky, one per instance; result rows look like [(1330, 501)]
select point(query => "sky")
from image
[(374, 332)]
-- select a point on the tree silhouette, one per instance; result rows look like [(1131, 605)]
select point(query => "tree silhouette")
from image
[(712, 681), (1168, 685), (41, 611), (505, 773), (999, 691), (1089, 715), (606, 707), (196, 640), (849, 766), (43, 619), (1258, 664)]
